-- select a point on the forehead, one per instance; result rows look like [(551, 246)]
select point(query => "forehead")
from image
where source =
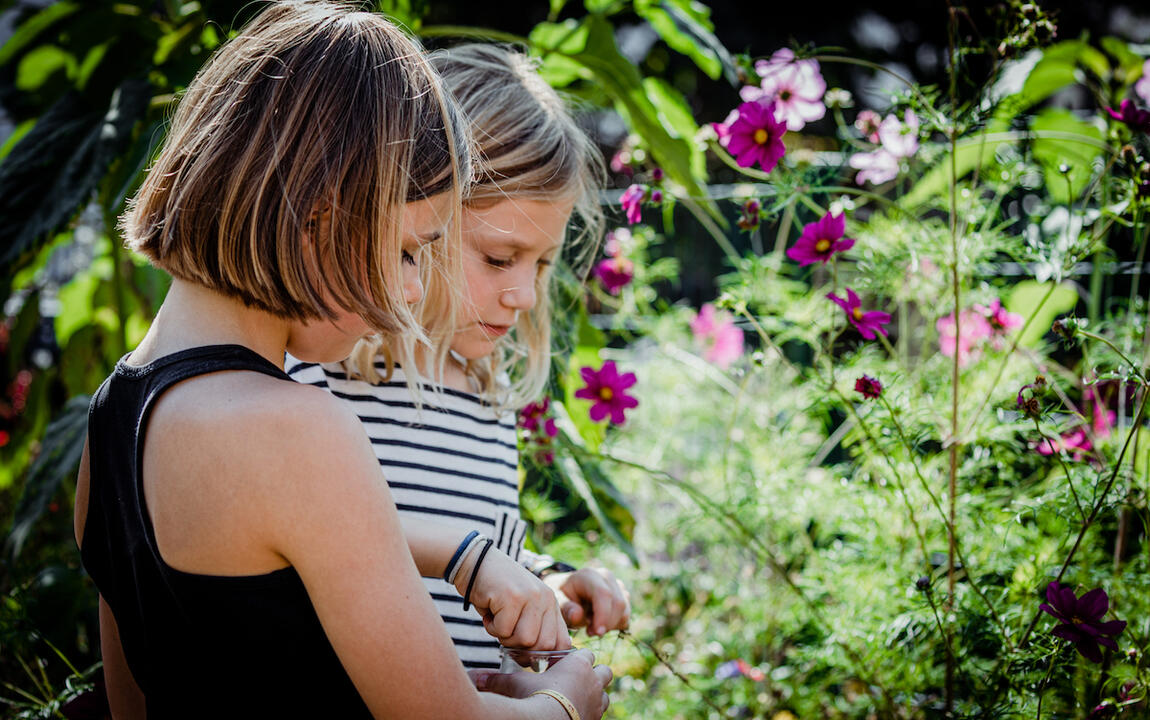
[(519, 223)]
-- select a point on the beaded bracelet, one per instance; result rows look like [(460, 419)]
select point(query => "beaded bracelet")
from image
[(451, 569), (475, 572), (567, 704)]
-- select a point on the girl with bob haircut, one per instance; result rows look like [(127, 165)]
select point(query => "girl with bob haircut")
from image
[(249, 561), (454, 459)]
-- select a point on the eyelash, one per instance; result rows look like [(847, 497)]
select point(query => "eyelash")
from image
[(497, 263), (408, 258)]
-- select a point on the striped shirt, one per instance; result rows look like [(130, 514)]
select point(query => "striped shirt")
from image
[(454, 462)]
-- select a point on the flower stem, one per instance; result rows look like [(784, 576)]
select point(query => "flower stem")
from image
[(1057, 452), (640, 643)]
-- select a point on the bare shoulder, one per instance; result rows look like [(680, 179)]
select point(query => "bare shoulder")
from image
[(236, 464)]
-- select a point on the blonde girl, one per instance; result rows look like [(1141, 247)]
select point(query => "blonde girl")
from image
[(249, 561), (454, 460)]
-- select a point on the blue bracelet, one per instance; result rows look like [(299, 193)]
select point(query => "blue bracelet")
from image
[(458, 552)]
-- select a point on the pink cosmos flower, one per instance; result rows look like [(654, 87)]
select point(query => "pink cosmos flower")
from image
[(1001, 320), (1142, 87), (632, 202), (899, 138), (615, 273), (867, 123), (754, 135), (865, 322), (796, 86), (875, 167), (1132, 116), (820, 241), (869, 387), (717, 334), (974, 328), (606, 389)]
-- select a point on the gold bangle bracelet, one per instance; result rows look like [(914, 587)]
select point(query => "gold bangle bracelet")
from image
[(567, 705)]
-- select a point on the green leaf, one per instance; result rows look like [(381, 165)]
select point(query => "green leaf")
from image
[(58, 459), (592, 44), (676, 116), (974, 152), (54, 169), (41, 64), (1078, 155), (1129, 67), (1024, 300), (686, 27), (31, 28)]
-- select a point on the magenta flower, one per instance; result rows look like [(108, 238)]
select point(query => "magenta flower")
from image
[(531, 415), (632, 202), (539, 430), (615, 273), (865, 322), (1002, 321), (754, 135), (869, 387), (796, 87), (717, 334), (621, 163), (974, 328), (867, 123), (874, 167), (1081, 619), (606, 389), (820, 240), (1142, 87), (899, 138), (1130, 115)]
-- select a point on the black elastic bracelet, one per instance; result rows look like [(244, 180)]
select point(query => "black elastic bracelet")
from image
[(475, 573), (458, 551)]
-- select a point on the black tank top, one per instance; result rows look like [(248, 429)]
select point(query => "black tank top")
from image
[(199, 646)]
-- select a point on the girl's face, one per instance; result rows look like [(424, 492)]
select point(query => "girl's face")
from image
[(506, 248), (424, 221)]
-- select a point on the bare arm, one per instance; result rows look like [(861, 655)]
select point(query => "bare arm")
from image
[(327, 513), (125, 699)]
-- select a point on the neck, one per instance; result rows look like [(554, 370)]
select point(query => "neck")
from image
[(192, 316)]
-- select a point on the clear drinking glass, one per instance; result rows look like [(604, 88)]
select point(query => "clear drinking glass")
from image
[(520, 659)]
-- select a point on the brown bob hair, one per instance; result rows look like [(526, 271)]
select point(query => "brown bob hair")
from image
[(313, 107)]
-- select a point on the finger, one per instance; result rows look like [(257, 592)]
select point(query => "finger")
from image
[(504, 621), (574, 614), (517, 684), (479, 678), (604, 674), (603, 613), (525, 632), (604, 703)]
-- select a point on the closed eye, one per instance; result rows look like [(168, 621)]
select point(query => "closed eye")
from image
[(498, 262), (408, 258)]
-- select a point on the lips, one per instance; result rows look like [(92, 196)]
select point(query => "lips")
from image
[(495, 330)]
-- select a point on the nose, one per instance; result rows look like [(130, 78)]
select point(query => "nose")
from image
[(412, 285), (520, 296)]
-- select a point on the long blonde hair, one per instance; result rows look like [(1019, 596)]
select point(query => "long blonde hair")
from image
[(528, 147), (312, 107)]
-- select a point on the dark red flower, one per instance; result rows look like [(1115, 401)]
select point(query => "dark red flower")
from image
[(1081, 619), (869, 387)]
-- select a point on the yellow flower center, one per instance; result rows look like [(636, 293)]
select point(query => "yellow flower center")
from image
[(761, 136), (606, 393), (858, 313), (822, 245)]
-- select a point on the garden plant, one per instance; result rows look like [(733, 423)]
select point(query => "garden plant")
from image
[(896, 467)]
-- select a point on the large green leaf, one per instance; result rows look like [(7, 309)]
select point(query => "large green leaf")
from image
[(30, 29), (58, 459), (1026, 300), (592, 44), (676, 116), (1068, 144), (54, 169), (686, 27)]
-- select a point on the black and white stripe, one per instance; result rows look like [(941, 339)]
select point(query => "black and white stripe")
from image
[(453, 461)]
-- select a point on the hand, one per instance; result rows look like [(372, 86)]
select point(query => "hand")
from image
[(592, 598), (517, 607), (575, 676)]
